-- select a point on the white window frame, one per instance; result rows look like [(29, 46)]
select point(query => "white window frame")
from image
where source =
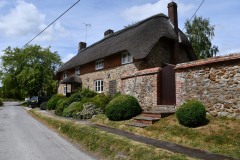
[(65, 90), (77, 70), (98, 86), (99, 64), (65, 74), (126, 58)]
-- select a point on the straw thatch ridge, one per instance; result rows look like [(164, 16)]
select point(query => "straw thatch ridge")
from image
[(138, 39), (72, 79)]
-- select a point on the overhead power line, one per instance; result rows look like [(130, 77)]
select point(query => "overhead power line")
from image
[(195, 12), (51, 23)]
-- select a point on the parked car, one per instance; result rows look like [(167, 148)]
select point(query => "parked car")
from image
[(35, 101)]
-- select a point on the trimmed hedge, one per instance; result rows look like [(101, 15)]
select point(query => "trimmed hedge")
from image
[(52, 103), (123, 107), (191, 114)]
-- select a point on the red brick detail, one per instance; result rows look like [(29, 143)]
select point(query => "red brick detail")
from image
[(207, 61)]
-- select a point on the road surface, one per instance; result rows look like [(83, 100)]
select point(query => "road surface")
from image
[(24, 138)]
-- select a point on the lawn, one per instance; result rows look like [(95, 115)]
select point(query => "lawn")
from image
[(105, 145), (220, 135)]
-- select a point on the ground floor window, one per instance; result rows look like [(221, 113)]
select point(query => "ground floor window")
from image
[(98, 85)]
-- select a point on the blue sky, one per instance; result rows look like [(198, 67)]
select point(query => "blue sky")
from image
[(21, 20)]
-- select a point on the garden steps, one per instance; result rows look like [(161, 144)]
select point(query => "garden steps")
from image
[(140, 125), (148, 118)]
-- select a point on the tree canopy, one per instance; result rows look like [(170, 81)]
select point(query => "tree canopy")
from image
[(28, 71), (200, 33)]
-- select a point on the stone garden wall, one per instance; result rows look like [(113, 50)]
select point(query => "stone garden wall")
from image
[(144, 86), (214, 81)]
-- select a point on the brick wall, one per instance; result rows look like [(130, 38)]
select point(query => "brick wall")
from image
[(214, 81)]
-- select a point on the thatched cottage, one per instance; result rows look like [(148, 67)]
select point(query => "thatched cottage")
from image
[(136, 60)]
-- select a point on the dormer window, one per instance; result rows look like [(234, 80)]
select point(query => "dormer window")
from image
[(65, 74), (99, 64), (77, 70), (126, 58)]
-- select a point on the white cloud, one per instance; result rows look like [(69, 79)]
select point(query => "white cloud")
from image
[(54, 32), (25, 19), (22, 20), (2, 3), (67, 57), (143, 11)]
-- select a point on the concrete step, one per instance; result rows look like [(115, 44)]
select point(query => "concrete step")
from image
[(168, 107), (140, 125), (145, 120), (159, 113)]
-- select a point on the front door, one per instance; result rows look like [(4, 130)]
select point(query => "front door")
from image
[(168, 89)]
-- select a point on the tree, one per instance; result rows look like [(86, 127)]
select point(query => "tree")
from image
[(28, 71), (200, 34)]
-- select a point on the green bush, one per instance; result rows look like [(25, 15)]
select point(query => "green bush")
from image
[(191, 114), (1, 102), (52, 103), (116, 95), (78, 96), (43, 105), (123, 107), (73, 109), (87, 93), (61, 104), (101, 101), (89, 110)]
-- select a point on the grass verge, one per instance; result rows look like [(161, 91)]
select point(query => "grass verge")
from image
[(220, 135), (105, 145)]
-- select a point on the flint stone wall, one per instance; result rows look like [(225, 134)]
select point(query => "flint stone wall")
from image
[(143, 85), (214, 81)]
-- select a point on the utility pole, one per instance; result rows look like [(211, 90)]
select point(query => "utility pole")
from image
[(86, 25)]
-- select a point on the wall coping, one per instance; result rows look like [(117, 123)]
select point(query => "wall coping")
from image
[(218, 59), (142, 72)]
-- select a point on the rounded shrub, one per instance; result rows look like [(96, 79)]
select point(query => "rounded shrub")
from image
[(191, 114), (81, 94), (51, 105), (87, 93), (123, 107), (88, 111), (101, 101), (73, 109), (61, 104)]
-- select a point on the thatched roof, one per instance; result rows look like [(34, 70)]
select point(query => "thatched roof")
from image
[(72, 79), (138, 39)]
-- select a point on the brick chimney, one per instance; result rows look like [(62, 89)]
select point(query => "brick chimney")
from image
[(173, 16), (82, 45), (108, 32)]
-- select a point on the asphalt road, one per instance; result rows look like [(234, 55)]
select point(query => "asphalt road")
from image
[(24, 138)]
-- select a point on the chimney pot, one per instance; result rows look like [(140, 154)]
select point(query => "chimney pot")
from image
[(82, 45), (108, 32), (172, 14)]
